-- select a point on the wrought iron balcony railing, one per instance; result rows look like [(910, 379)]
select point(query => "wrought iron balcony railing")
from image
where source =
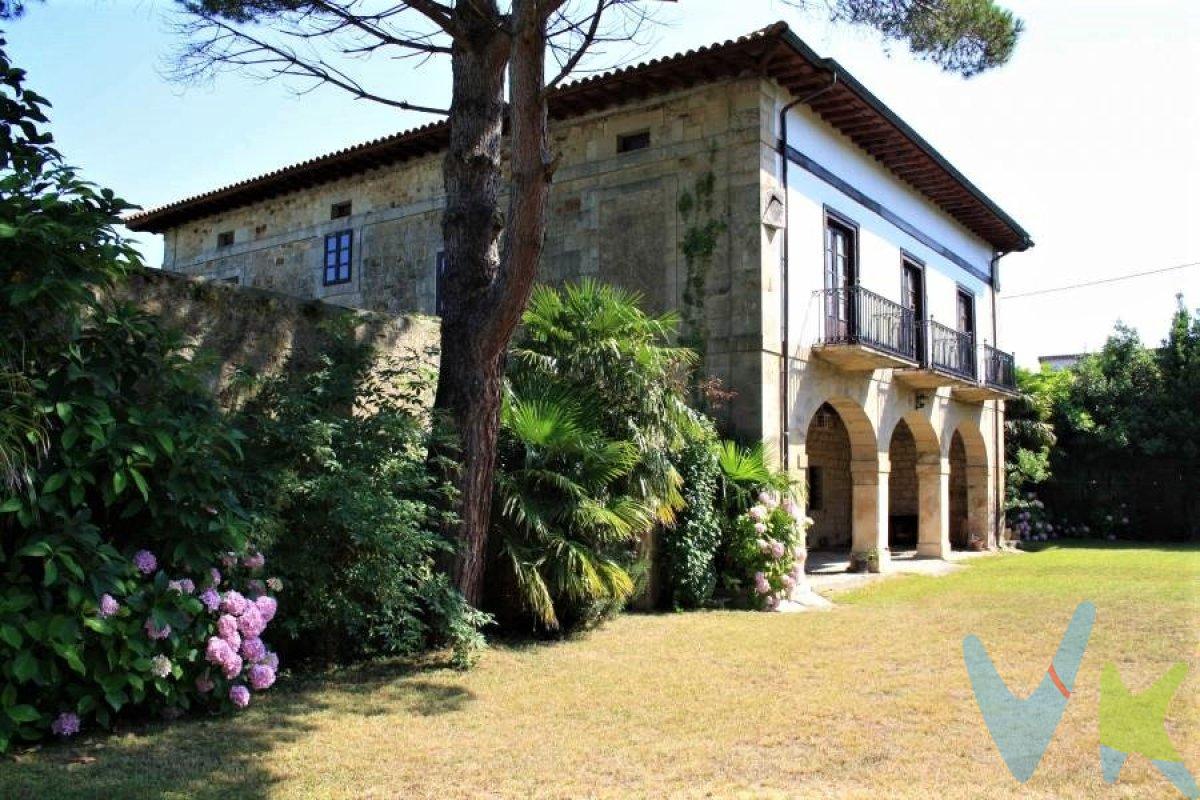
[(951, 351), (999, 368), (856, 316)]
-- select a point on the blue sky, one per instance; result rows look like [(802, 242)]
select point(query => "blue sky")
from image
[(1090, 136)]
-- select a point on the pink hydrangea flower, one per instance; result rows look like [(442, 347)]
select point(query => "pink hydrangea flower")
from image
[(233, 603), (267, 606), (271, 660), (777, 548), (254, 560), (274, 584), (215, 575), (183, 586), (788, 582), (240, 695), (789, 506), (65, 724), (768, 499), (253, 649), (772, 603), (155, 632), (218, 651), (251, 622), (757, 513), (211, 599), (232, 666), (228, 560), (761, 584), (145, 561), (160, 666), (108, 606), (760, 527), (204, 684), (261, 677), (227, 626)]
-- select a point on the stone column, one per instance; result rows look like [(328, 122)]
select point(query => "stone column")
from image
[(869, 507), (933, 503), (798, 472), (979, 503)]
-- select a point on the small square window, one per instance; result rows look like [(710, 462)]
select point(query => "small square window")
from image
[(338, 249), (339, 210), (224, 238), (628, 142)]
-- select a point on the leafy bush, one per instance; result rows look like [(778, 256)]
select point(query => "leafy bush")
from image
[(127, 457), (691, 545), (347, 509), (763, 551)]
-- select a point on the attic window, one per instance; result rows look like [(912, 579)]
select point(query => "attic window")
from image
[(339, 210), (224, 238), (628, 142)]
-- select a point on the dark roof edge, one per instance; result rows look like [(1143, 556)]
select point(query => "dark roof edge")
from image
[(878, 105), (431, 138)]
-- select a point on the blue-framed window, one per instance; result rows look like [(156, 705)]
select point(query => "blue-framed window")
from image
[(338, 250)]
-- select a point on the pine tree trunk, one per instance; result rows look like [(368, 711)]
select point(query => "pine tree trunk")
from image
[(486, 290)]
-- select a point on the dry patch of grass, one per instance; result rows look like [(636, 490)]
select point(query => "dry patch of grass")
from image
[(870, 700)]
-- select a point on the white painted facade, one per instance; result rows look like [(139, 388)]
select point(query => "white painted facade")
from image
[(881, 244)]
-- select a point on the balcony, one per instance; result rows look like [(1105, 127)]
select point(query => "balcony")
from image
[(999, 378), (861, 331), (947, 359)]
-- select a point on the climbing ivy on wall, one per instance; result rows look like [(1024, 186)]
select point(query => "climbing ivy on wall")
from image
[(702, 229)]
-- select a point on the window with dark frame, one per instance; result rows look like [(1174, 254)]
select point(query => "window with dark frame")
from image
[(841, 275), (815, 488), (966, 312), (628, 142), (439, 301), (338, 251), (339, 210), (224, 238)]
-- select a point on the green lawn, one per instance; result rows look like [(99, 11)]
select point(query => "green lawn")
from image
[(869, 700)]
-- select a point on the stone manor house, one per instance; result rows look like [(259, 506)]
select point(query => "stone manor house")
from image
[(832, 267)]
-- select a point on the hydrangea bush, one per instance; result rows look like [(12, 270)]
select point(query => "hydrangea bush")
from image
[(767, 550), (111, 524)]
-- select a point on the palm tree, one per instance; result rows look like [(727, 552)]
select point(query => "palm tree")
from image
[(562, 535), (596, 342)]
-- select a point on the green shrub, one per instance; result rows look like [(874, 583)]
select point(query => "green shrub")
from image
[(347, 510), (124, 455), (691, 544)]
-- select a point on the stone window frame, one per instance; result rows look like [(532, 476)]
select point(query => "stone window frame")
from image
[(340, 263), (225, 239), (633, 141)]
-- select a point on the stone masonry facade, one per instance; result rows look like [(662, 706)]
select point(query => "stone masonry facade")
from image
[(676, 187)]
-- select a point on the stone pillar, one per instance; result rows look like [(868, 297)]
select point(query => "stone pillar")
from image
[(869, 507), (933, 503), (798, 472), (980, 506)]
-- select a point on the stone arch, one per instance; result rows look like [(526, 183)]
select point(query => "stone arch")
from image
[(970, 485), (859, 430), (846, 477)]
